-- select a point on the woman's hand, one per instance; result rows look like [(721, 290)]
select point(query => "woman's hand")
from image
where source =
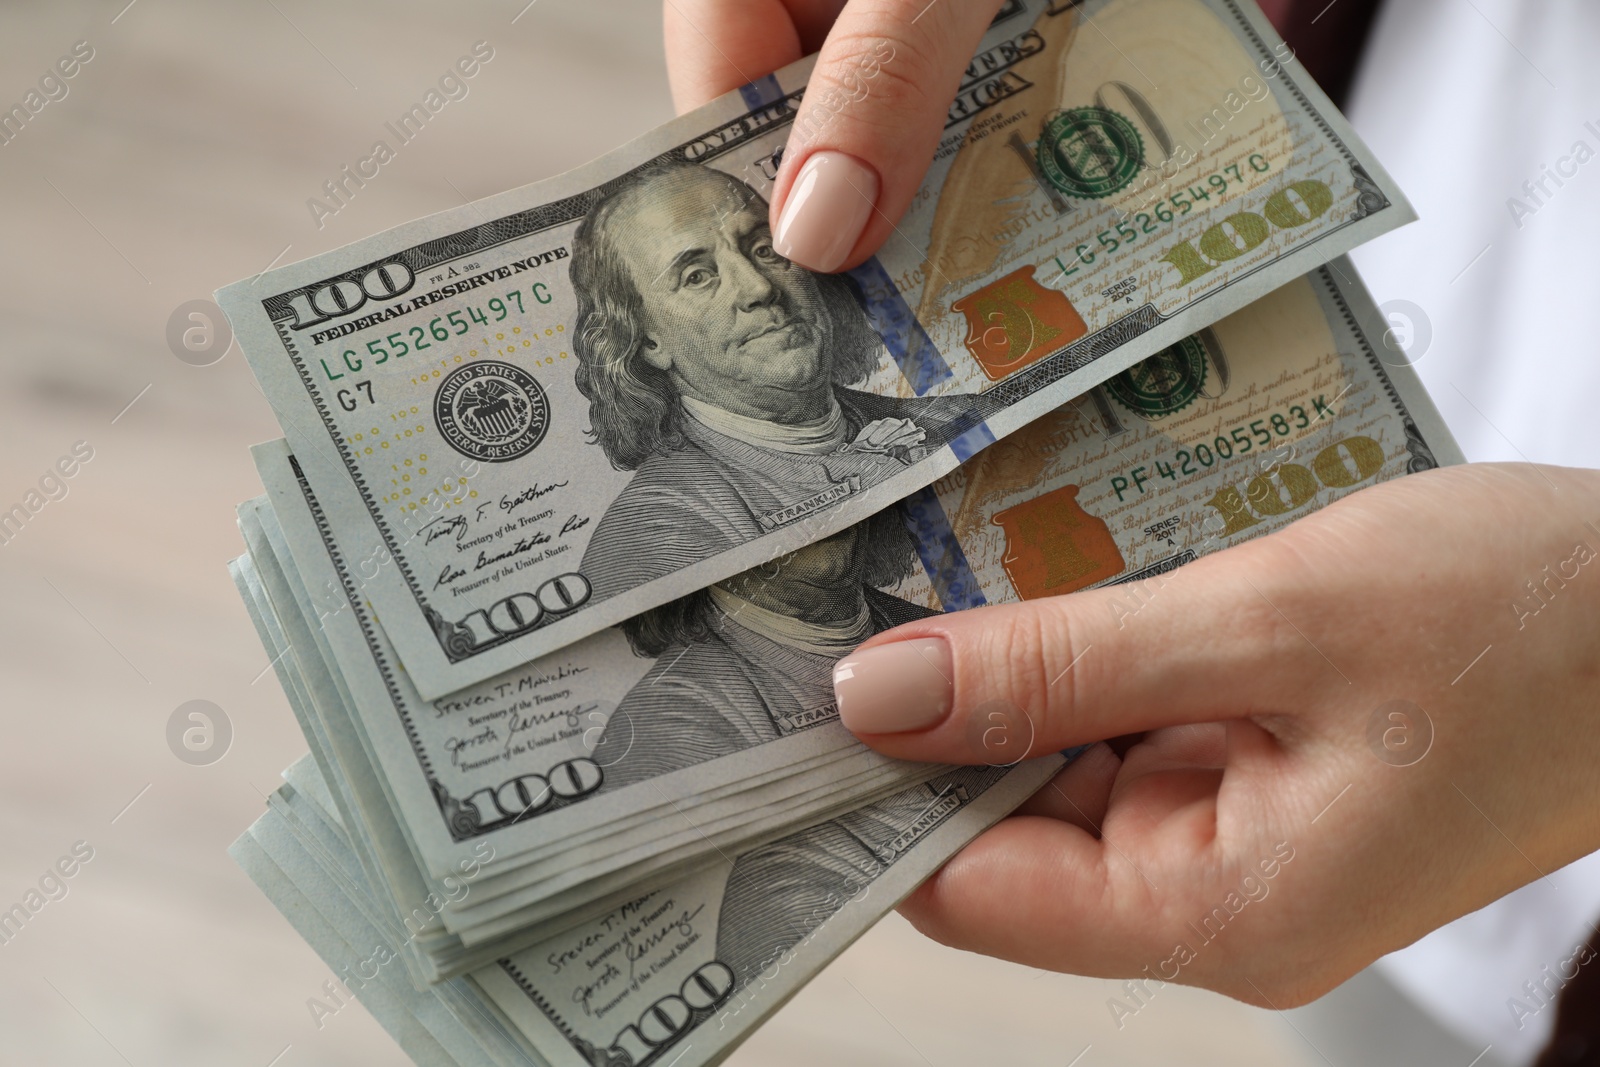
[(873, 111), (1356, 730)]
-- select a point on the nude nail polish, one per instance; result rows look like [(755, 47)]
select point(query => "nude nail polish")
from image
[(895, 689), (829, 206)]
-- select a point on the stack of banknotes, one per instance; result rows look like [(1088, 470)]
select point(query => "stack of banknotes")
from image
[(584, 491)]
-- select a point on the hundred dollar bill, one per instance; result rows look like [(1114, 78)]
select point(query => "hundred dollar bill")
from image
[(576, 764), (575, 870), (551, 410), (543, 756), (690, 969), (1235, 432), (681, 972)]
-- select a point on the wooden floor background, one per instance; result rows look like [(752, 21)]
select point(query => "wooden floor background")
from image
[(180, 160)]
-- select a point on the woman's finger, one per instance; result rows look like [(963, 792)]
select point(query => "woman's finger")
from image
[(997, 684), (1043, 893), (1080, 793), (714, 46), (872, 116)]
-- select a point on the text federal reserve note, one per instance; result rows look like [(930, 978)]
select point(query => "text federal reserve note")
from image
[(562, 406)]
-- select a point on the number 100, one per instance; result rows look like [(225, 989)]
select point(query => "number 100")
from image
[(1339, 466)]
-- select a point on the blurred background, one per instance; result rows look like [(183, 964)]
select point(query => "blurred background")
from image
[(181, 158)]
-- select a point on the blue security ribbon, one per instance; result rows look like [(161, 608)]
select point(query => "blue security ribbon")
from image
[(761, 92), (913, 350), (972, 442), (953, 581)]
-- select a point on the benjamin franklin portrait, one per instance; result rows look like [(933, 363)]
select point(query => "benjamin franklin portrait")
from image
[(778, 894), (750, 659), (720, 374)]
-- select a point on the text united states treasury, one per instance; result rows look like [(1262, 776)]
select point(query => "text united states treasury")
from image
[(551, 410)]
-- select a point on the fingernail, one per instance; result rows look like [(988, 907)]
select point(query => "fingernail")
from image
[(895, 689), (827, 210)]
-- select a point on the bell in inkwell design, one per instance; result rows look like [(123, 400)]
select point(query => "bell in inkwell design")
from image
[(1015, 321), (1053, 546)]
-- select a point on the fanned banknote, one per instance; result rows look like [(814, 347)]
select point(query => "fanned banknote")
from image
[(555, 409), (681, 972), (707, 725)]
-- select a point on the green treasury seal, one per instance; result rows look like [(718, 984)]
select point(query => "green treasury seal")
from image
[(1090, 152), (1164, 384)]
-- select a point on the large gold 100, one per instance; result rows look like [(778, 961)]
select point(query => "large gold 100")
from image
[(1339, 466), (1298, 204)]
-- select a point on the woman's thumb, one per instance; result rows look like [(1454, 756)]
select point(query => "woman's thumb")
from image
[(996, 685)]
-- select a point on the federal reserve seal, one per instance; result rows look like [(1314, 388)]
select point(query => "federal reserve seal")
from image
[(1164, 384), (491, 411), (1090, 152)]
